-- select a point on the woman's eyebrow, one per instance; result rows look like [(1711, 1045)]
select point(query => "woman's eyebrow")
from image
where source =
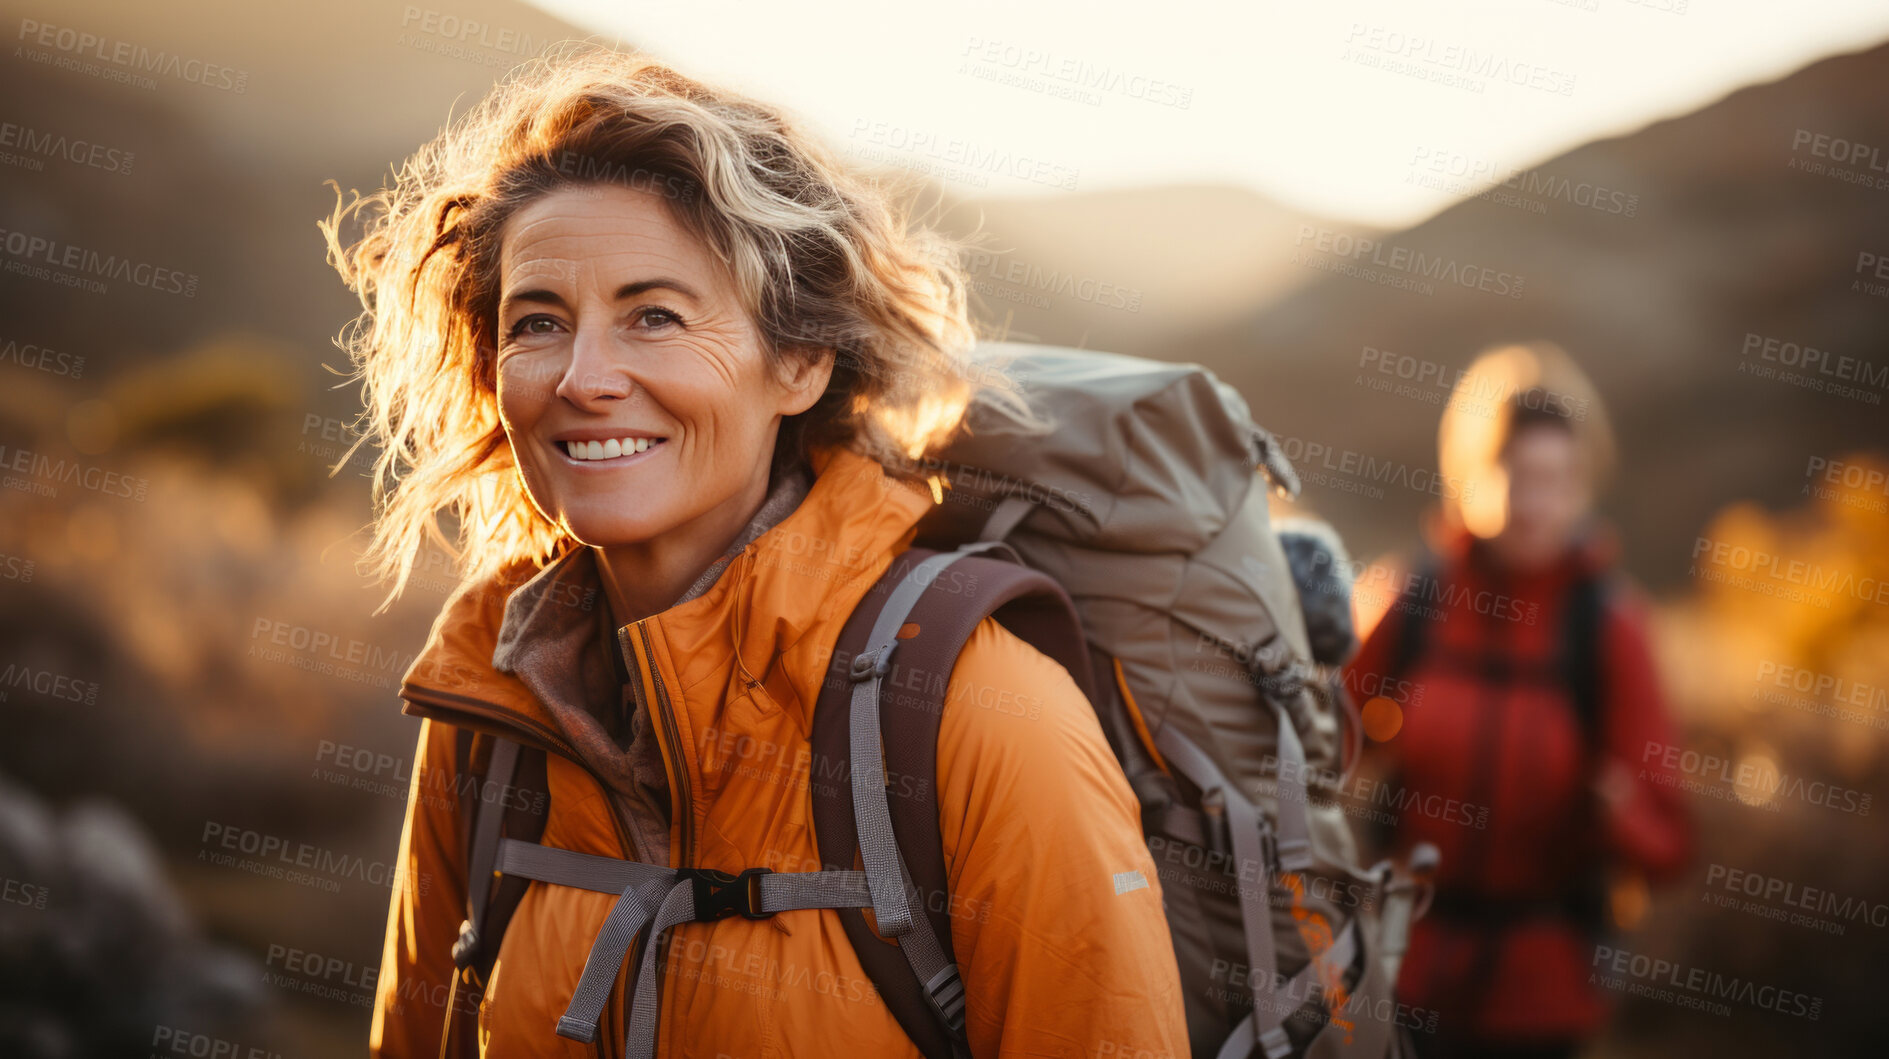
[(631, 290), (628, 290)]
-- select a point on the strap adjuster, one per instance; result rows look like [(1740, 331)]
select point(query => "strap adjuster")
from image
[(466, 945), (719, 895), (869, 664), (1269, 848), (1215, 830)]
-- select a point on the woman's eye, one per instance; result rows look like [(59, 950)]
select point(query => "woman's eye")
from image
[(528, 325), (656, 316)]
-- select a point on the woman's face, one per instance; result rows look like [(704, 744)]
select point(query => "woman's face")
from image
[(631, 380), (1548, 495)]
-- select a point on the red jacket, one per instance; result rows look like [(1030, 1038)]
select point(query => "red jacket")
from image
[(1490, 721)]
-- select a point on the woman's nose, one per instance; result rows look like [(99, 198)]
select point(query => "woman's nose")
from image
[(594, 373)]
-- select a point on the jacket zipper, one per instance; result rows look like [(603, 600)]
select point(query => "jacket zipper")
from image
[(643, 657)]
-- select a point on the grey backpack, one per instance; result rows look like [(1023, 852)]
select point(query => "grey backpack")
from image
[(1149, 566)]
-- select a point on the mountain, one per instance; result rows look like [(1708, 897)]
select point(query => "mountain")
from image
[(1657, 260), (1126, 270)]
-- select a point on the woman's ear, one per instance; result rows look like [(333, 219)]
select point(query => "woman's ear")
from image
[(803, 375)]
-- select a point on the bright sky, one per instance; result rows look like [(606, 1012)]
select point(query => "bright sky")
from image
[(1334, 107)]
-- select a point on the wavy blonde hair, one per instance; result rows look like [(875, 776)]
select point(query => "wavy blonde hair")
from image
[(822, 256)]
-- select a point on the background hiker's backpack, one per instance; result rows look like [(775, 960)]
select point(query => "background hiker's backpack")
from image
[(1148, 566)]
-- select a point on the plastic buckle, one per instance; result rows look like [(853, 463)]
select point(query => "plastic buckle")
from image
[(869, 664), (719, 895), (1214, 828), (1269, 848)]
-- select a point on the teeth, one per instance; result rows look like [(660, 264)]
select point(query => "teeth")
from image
[(611, 449)]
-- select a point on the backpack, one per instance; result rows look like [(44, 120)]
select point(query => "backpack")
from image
[(1134, 546)]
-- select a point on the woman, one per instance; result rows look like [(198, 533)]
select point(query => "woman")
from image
[(1532, 696), (657, 354)]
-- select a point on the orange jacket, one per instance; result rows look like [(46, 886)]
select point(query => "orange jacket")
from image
[(1038, 824)]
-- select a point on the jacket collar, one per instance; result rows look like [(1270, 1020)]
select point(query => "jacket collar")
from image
[(800, 576)]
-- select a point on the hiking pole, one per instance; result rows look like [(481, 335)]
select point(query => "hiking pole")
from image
[(1400, 904)]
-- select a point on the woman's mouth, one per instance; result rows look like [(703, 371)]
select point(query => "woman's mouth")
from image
[(610, 449)]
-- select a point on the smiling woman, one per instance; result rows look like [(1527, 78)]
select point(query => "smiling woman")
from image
[(650, 347)]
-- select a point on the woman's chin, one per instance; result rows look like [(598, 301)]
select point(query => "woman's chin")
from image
[(606, 532)]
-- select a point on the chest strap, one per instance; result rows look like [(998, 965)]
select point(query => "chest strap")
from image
[(658, 898)]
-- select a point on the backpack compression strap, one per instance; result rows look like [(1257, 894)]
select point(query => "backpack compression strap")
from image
[(898, 839)]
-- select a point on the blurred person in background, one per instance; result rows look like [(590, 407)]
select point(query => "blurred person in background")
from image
[(1538, 696)]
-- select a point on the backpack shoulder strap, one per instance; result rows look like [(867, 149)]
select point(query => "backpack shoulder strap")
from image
[(1582, 630), (1413, 628), (502, 790), (932, 629)]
